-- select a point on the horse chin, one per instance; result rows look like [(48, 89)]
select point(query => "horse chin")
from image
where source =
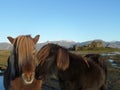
[(26, 82)]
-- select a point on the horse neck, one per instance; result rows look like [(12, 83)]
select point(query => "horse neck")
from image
[(14, 64), (17, 84)]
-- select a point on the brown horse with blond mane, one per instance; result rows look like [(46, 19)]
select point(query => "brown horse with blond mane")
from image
[(22, 62), (80, 73)]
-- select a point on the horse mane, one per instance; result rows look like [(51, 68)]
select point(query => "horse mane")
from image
[(97, 58), (55, 50), (62, 55), (43, 53), (23, 48)]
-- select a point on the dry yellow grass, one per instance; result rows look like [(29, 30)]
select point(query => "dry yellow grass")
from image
[(3, 58)]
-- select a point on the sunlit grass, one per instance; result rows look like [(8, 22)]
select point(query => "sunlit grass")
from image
[(3, 58)]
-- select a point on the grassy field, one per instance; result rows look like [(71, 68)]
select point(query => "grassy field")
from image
[(3, 58), (96, 50)]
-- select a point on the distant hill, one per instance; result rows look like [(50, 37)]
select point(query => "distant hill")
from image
[(114, 44), (5, 46), (67, 44)]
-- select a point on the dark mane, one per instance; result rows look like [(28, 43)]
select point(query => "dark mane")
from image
[(52, 49)]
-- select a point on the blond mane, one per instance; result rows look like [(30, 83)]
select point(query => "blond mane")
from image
[(24, 47)]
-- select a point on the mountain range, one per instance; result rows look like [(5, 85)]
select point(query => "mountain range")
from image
[(64, 43)]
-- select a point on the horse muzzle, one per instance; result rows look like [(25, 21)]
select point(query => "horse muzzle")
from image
[(28, 79)]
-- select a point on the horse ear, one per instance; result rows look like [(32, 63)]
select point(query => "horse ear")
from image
[(62, 59), (36, 38), (11, 39)]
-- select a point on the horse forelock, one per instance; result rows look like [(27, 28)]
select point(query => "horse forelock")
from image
[(43, 53), (47, 51), (24, 48)]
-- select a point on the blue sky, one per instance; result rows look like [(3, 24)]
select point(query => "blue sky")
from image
[(73, 20)]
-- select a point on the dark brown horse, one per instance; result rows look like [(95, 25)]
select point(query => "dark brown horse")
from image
[(81, 74), (100, 60), (22, 61)]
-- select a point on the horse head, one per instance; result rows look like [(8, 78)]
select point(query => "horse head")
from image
[(51, 58), (23, 57)]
